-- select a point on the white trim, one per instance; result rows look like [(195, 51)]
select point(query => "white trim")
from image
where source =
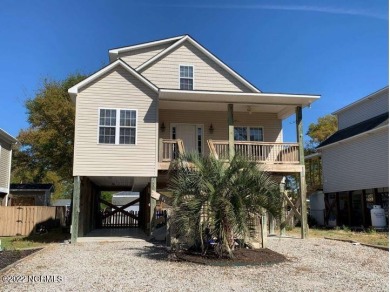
[(238, 97), (73, 91), (310, 156), (157, 134), (7, 137), (309, 97), (287, 102), (372, 131), (193, 75), (143, 45), (162, 53), (197, 126), (204, 51), (368, 97), (118, 126)]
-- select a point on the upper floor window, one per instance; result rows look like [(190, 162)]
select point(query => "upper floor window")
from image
[(248, 134), (117, 126), (186, 77)]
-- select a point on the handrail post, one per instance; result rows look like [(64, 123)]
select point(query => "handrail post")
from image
[(213, 151), (180, 146)]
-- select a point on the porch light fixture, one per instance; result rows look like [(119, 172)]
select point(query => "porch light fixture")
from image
[(211, 129), (162, 127)]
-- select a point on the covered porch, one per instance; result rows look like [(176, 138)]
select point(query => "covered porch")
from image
[(222, 124)]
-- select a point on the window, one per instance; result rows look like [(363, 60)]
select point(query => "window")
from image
[(248, 134), (127, 127), (199, 139), (107, 126), (186, 77), (117, 131)]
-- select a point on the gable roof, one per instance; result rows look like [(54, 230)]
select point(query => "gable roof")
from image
[(357, 129), (177, 42), (7, 137), (73, 91), (113, 53), (368, 97)]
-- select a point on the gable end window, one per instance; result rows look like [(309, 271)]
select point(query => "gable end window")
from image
[(117, 126), (186, 77)]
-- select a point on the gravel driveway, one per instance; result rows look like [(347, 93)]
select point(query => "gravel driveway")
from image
[(314, 265)]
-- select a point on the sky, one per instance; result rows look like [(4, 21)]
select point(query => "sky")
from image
[(338, 49)]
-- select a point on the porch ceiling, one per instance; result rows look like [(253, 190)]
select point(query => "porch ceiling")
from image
[(136, 184), (282, 104)]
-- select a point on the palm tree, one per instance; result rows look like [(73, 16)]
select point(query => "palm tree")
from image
[(209, 193)]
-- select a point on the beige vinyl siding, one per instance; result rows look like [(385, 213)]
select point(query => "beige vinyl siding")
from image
[(5, 158), (272, 126), (136, 58), (356, 164), (164, 73), (117, 89), (364, 110)]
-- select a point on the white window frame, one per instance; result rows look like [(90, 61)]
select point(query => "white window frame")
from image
[(248, 132), (193, 75), (118, 126)]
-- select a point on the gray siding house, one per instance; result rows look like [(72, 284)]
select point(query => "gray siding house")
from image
[(355, 161), (158, 99), (6, 142)]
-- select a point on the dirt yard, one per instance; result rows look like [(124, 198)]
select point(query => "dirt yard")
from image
[(312, 265)]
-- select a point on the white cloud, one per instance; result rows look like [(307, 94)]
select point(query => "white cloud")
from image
[(320, 9)]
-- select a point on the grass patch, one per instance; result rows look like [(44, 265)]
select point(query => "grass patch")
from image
[(34, 240), (368, 237)]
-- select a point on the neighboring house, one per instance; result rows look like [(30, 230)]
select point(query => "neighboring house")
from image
[(158, 99), (313, 165), (6, 142), (62, 203), (124, 198), (355, 162), (30, 194)]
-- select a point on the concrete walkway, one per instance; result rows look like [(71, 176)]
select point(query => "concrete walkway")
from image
[(114, 234)]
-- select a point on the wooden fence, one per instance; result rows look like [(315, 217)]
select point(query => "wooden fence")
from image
[(23, 220), (120, 220)]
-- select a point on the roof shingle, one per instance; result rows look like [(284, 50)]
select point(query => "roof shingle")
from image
[(357, 129)]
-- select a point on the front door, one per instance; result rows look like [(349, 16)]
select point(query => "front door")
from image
[(191, 135)]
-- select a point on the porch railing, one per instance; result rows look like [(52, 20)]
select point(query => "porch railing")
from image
[(262, 152), (169, 149)]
